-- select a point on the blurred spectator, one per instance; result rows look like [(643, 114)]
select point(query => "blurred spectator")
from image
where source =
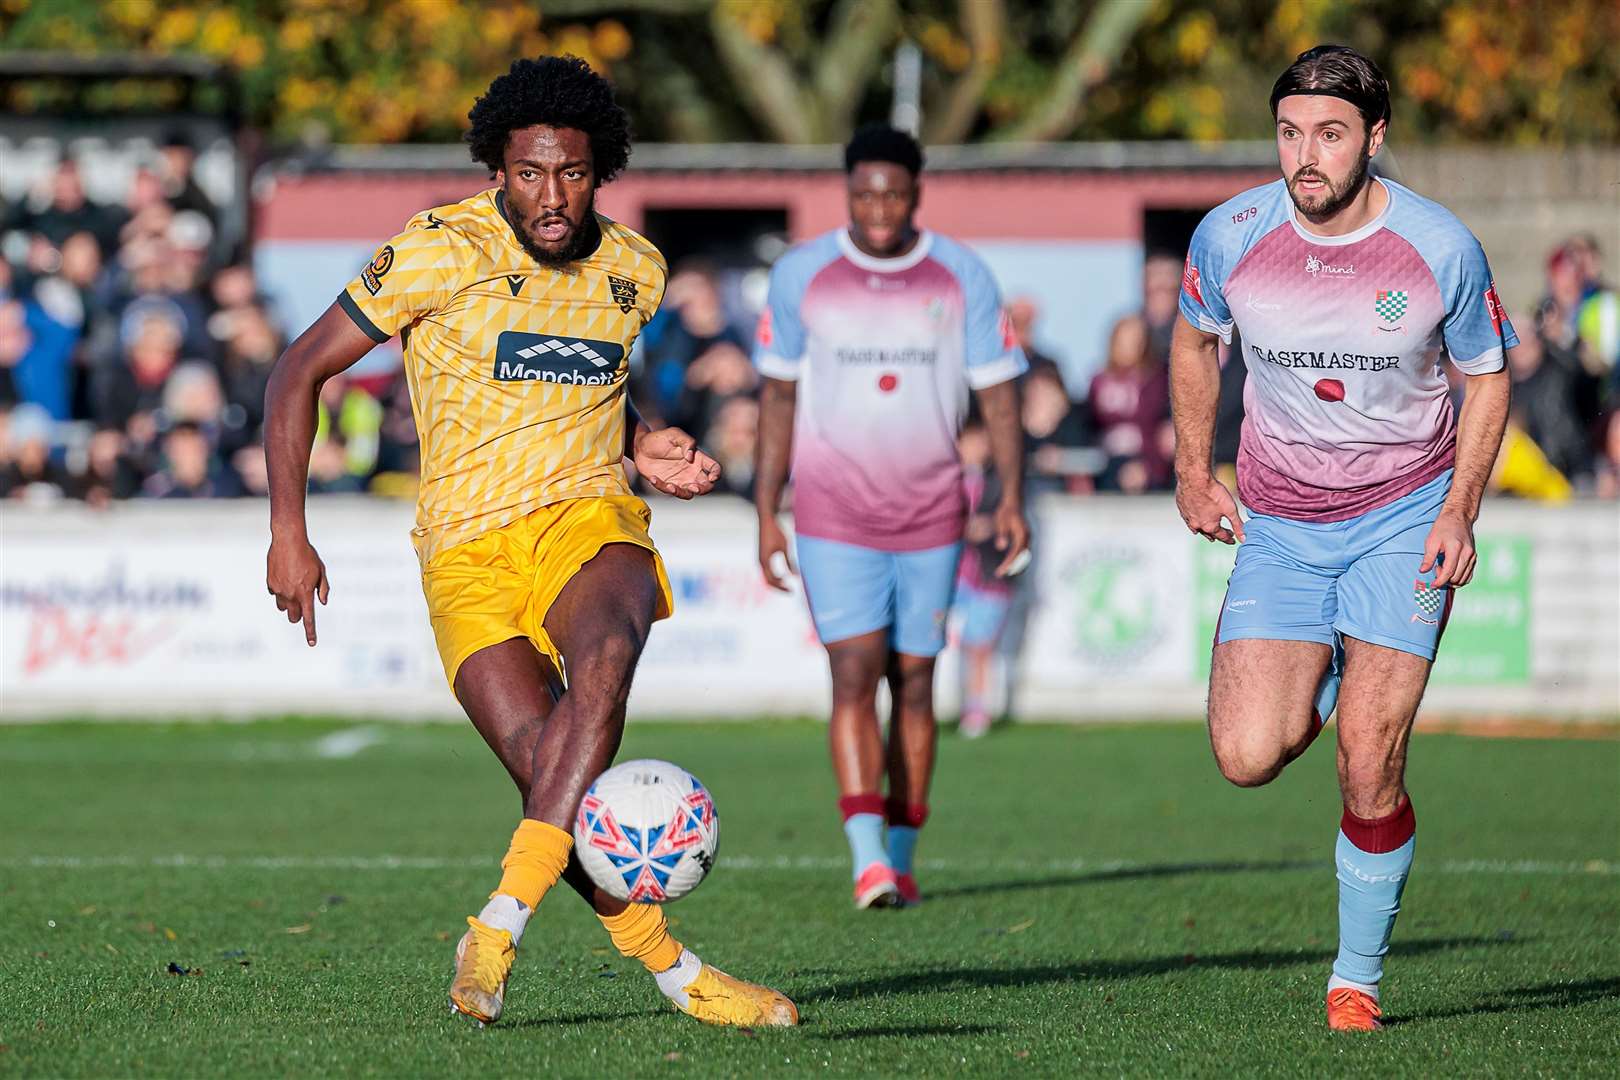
[(1130, 401), (349, 426), (1545, 379), (250, 346), (692, 324), (29, 470), (1022, 314), (983, 600), (36, 356), (110, 473), (134, 387), (63, 211), (1056, 436), (189, 467), (1161, 298), (177, 161), (718, 374), (732, 441), (1597, 321), (1607, 440)]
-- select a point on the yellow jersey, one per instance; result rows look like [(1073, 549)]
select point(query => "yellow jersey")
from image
[(517, 371)]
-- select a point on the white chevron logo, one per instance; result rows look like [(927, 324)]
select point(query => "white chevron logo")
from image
[(564, 348)]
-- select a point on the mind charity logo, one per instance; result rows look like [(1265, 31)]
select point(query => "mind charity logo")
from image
[(1390, 304)]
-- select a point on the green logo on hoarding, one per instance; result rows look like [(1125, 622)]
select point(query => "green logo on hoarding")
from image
[(1116, 616)]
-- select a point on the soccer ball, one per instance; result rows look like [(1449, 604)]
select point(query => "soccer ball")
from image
[(647, 831)]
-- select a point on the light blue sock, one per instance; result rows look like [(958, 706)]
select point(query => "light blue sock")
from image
[(1369, 899), (902, 846), (1327, 691), (865, 833)]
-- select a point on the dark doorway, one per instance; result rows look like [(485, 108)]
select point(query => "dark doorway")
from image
[(1168, 232), (728, 239)]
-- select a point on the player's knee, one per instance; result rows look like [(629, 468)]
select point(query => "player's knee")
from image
[(915, 689), (1248, 761), (604, 667)]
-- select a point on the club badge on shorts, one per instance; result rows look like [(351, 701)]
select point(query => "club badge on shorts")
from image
[(1429, 601)]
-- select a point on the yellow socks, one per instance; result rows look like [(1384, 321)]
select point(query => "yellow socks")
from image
[(642, 932), (534, 862)]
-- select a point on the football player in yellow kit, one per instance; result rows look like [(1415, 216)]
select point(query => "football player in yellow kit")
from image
[(517, 309)]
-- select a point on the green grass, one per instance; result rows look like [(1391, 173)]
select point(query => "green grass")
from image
[(1101, 903)]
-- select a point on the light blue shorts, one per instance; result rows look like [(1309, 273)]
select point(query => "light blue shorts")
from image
[(855, 590), (983, 613), (1317, 580)]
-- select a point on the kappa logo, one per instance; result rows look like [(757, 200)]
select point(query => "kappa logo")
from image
[(624, 293), (1254, 303), (521, 357), (371, 277)]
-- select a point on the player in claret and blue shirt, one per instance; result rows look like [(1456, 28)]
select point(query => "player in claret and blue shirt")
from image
[(1361, 484), (872, 339)]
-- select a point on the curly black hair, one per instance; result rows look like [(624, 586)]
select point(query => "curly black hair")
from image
[(560, 91), (879, 142)]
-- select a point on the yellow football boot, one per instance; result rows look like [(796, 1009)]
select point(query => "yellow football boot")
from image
[(716, 998), (483, 960)]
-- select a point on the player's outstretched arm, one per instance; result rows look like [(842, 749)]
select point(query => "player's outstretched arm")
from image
[(669, 458), (1195, 390), (777, 400), (1004, 424), (294, 573), (1486, 399)]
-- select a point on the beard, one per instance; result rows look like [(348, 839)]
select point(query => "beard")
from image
[(580, 243), (1337, 196)]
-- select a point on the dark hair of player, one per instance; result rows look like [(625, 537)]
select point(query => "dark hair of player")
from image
[(1336, 71), (879, 142), (557, 91)]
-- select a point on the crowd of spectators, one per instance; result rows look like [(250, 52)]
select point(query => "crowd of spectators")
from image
[(135, 349)]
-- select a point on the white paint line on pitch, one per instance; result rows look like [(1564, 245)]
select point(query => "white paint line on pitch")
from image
[(1098, 867), (348, 742)]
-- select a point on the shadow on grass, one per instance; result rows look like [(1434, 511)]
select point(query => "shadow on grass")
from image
[(1129, 873), (1553, 995), (582, 1018), (948, 980), (911, 1031)]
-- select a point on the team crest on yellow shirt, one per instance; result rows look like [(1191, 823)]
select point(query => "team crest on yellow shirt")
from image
[(624, 293)]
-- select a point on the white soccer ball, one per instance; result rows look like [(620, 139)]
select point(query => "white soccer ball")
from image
[(647, 831)]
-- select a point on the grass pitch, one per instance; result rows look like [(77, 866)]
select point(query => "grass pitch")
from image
[(282, 898)]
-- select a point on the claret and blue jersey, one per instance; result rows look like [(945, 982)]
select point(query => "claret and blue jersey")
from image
[(1346, 407), (885, 353)]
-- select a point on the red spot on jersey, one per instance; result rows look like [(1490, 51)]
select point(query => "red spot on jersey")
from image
[(1008, 338), (887, 383), (762, 333), (1493, 307), (1329, 390), (1189, 280)]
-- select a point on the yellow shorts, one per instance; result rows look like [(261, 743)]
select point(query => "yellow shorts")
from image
[(500, 585)]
